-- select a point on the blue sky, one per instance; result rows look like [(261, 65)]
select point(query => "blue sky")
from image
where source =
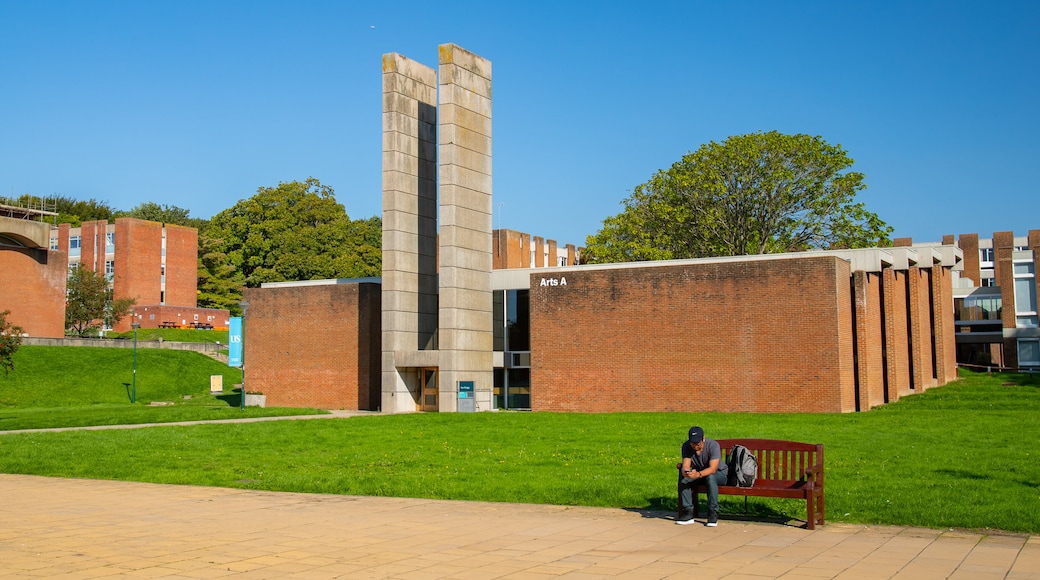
[(197, 104)]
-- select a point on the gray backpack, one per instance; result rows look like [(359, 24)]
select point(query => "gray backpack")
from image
[(743, 467)]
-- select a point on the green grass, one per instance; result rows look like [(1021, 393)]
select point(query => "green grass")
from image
[(959, 456), (174, 335), (79, 386)]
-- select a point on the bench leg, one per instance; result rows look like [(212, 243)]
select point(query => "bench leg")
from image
[(810, 510)]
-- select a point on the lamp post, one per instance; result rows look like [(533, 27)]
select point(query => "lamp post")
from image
[(244, 305), (133, 390)]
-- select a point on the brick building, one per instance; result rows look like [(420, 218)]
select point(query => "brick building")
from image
[(473, 319), (314, 343), (154, 263), (995, 299), (32, 276)]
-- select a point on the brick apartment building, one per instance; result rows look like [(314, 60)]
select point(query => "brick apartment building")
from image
[(995, 299), (154, 263), (32, 275)]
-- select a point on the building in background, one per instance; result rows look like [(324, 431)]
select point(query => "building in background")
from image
[(156, 264), (995, 298), (32, 274)]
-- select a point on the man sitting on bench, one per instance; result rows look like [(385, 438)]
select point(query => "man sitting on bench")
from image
[(701, 463)]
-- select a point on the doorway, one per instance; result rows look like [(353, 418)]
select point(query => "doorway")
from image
[(427, 389)]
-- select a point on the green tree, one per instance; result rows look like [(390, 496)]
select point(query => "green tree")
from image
[(75, 212), (89, 303), (10, 340), (219, 282), (167, 214), (751, 194), (296, 231)]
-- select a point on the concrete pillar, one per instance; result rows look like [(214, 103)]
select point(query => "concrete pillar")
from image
[(409, 289), (465, 335)]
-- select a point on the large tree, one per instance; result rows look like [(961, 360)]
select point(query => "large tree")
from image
[(751, 194), (89, 303), (296, 231), (167, 214), (10, 340), (219, 282)]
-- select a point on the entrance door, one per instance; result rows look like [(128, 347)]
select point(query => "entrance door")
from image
[(428, 389)]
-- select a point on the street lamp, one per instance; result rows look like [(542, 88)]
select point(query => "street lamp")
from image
[(244, 305), (133, 391)]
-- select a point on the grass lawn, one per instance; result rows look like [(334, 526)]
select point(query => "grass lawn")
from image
[(174, 335), (959, 456), (77, 386)]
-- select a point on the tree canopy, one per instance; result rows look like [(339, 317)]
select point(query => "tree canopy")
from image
[(296, 231), (89, 303), (751, 194), (10, 340), (167, 214)]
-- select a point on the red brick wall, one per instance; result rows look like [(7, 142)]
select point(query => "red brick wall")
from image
[(32, 287), (870, 379), (539, 251), (969, 245), (695, 337), (182, 266), (922, 375), (314, 346), (138, 263), (943, 330), (1004, 275), (897, 342)]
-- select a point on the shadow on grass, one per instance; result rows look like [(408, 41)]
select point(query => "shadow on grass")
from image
[(232, 399), (963, 474)]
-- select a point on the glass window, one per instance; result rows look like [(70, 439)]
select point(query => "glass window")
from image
[(110, 243), (1023, 268), (110, 269), (1025, 295), (498, 310), (519, 396), (1028, 321), (518, 320), (1029, 352), (978, 308), (74, 242), (986, 254)]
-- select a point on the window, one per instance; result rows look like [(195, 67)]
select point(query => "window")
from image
[(979, 308), (1025, 295), (1029, 352), (54, 243), (518, 320), (110, 270), (74, 243), (110, 243), (986, 254)]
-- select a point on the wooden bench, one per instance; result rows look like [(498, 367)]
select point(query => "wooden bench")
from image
[(785, 469)]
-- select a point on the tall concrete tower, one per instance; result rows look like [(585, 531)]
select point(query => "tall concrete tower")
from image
[(437, 321)]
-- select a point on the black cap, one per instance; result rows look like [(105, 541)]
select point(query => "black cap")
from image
[(696, 435)]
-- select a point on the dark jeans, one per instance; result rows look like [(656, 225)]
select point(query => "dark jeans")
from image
[(712, 481)]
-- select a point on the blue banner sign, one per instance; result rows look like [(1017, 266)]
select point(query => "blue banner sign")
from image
[(234, 358), (465, 389)]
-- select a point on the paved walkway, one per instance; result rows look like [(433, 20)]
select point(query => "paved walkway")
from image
[(66, 528)]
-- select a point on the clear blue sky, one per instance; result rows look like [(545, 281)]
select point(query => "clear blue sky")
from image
[(197, 104)]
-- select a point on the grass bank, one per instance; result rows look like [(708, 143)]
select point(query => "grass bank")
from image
[(959, 456), (78, 386)]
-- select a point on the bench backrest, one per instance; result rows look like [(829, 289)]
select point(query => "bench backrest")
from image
[(780, 461)]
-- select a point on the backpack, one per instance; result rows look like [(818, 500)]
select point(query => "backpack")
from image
[(743, 467)]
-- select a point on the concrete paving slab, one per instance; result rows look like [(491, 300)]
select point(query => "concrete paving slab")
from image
[(51, 527)]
